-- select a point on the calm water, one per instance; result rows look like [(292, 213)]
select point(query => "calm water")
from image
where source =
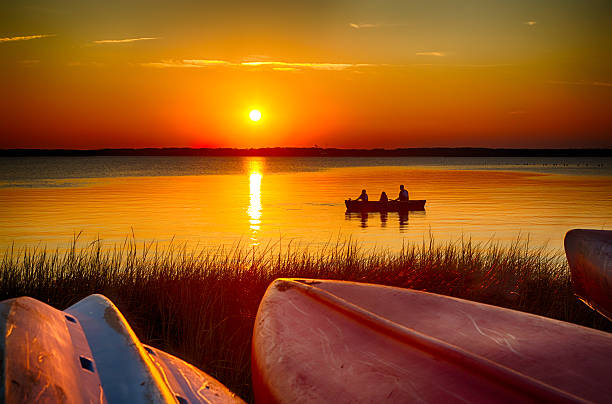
[(213, 201)]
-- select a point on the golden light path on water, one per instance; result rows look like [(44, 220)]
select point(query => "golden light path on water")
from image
[(255, 168)]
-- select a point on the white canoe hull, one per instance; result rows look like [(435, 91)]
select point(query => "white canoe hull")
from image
[(89, 354)]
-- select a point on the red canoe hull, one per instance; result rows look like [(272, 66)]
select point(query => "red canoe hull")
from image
[(316, 341)]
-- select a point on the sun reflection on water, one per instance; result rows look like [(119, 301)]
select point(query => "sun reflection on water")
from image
[(255, 168)]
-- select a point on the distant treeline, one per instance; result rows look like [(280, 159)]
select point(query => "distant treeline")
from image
[(315, 152)]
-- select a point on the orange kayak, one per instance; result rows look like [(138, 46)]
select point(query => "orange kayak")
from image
[(322, 341), (589, 254)]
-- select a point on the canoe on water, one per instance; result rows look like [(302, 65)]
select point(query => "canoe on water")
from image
[(88, 353), (589, 254), (390, 206), (321, 341)]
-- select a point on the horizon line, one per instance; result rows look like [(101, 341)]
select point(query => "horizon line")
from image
[(459, 151)]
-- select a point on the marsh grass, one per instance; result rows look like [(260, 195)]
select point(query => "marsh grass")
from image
[(200, 304)]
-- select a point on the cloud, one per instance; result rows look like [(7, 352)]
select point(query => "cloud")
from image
[(207, 62), (360, 26), (29, 62), (285, 69), (369, 25), (188, 63), (454, 66), (84, 64), (298, 65), (24, 38), (274, 65), (530, 23), (438, 54), (126, 40), (583, 83)]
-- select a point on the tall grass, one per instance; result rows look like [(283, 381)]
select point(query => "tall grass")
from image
[(200, 304)]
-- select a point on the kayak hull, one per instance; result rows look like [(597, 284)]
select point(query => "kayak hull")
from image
[(589, 254), (378, 206), (369, 343), (89, 353)]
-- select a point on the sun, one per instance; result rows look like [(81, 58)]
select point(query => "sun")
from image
[(255, 115)]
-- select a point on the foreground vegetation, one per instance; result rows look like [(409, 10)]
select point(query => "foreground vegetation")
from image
[(200, 305)]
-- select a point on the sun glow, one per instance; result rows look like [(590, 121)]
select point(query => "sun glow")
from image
[(255, 115)]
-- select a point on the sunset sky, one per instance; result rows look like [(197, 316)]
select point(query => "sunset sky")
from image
[(335, 73)]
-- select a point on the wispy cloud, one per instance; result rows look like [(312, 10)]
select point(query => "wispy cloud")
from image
[(582, 83), (459, 66), (530, 23), (125, 40), (24, 38), (315, 66), (360, 26), (207, 62), (378, 25), (438, 54), (29, 62), (84, 64), (274, 65), (187, 63)]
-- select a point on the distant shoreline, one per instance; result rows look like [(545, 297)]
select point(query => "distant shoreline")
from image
[(313, 152)]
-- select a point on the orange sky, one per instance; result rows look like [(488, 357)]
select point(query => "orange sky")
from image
[(334, 73)]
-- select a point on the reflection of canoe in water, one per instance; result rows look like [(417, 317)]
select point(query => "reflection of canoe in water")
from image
[(390, 206), (589, 253), (88, 353), (316, 341)]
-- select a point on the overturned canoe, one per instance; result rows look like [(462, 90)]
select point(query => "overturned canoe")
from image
[(321, 341), (89, 354), (378, 206), (589, 254)]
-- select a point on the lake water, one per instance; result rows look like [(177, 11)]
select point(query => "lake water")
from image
[(255, 201)]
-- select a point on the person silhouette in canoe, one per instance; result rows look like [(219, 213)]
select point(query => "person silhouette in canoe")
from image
[(384, 197), (363, 196), (403, 194)]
